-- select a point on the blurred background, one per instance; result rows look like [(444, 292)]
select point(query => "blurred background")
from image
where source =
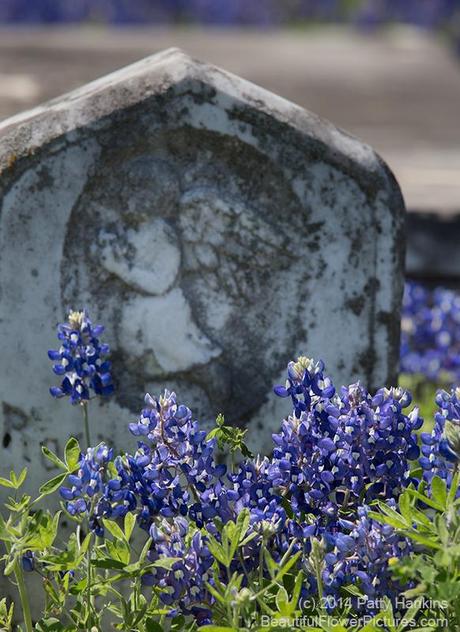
[(387, 71)]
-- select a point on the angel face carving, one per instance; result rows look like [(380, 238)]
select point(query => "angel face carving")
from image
[(190, 255)]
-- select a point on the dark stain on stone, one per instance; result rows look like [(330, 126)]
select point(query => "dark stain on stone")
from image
[(14, 417), (6, 440), (356, 304), (45, 179)]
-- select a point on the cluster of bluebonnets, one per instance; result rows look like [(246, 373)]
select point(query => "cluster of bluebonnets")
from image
[(337, 452), (430, 333), (81, 360), (432, 13)]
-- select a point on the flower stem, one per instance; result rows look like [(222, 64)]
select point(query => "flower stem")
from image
[(86, 423), (23, 596), (88, 585)]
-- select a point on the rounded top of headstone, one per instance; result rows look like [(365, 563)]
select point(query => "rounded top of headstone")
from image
[(172, 74)]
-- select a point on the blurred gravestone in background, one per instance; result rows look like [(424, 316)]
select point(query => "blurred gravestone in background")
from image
[(215, 228)]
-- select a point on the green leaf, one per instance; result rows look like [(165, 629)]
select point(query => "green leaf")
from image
[(431, 502), (166, 562), (108, 563), (22, 477), (51, 625), (52, 485), (118, 550), (43, 531), (4, 482), (72, 454), (453, 488), (397, 524), (152, 626), (217, 551), (409, 616), (129, 524), (53, 458), (115, 530), (421, 539), (439, 491), (287, 567), (405, 507)]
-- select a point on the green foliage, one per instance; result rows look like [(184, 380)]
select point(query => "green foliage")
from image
[(432, 522), (424, 393), (229, 437), (6, 616)]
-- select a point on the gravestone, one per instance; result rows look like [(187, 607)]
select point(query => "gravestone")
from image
[(217, 231)]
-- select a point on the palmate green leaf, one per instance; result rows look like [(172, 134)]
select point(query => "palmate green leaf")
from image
[(118, 551), (71, 558), (178, 624), (72, 454), (282, 602), (18, 506), (217, 551), (8, 534), (18, 481), (43, 531), (374, 625)]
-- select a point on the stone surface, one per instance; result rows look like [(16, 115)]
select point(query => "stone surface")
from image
[(215, 228), (397, 89)]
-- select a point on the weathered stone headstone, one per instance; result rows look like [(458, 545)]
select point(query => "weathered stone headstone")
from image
[(217, 231)]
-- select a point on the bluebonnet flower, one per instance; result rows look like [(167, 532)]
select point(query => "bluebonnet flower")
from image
[(94, 492), (358, 551), (341, 446), (185, 583), (81, 360), (430, 333), (441, 447), (28, 561), (173, 471)]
